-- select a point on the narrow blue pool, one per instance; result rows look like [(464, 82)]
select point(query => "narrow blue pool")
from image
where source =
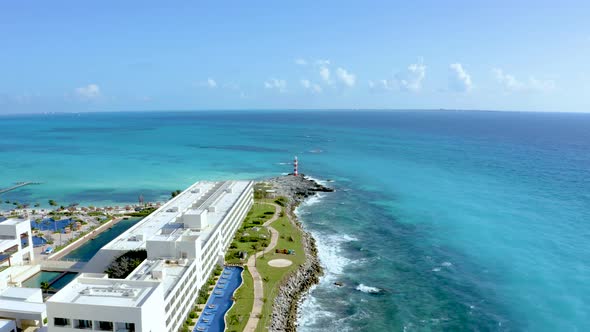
[(220, 300)]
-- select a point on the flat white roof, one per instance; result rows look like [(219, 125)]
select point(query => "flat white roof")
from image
[(13, 221), (21, 307), (164, 223), (19, 293), (172, 269), (103, 291)]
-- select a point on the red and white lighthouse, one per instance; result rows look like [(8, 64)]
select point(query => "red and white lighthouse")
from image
[(295, 167)]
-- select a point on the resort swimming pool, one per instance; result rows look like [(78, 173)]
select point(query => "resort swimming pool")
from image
[(38, 241), (220, 300), (88, 249), (49, 224), (56, 280)]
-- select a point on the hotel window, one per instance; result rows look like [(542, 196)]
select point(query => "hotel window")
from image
[(124, 327), (61, 322), (103, 326), (83, 324)]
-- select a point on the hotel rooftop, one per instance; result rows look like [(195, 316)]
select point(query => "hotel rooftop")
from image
[(96, 288), (166, 224), (184, 239)]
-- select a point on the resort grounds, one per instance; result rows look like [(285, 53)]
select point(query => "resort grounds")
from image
[(251, 238)]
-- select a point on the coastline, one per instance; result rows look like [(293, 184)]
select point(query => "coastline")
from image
[(298, 282)]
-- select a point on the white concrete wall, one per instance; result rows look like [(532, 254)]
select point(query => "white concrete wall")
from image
[(73, 311), (160, 248), (149, 316), (195, 219), (14, 230)]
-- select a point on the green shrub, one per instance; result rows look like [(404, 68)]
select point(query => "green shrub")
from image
[(202, 299), (123, 265), (143, 213)]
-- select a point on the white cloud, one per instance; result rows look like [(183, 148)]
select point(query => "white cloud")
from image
[(406, 80), (508, 81), (309, 85), (301, 62), (541, 85), (325, 74), (328, 74), (211, 83), (278, 84), (91, 91), (460, 80), (347, 78), (381, 85), (511, 84), (411, 79)]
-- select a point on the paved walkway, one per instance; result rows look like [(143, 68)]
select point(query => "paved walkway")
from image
[(258, 286)]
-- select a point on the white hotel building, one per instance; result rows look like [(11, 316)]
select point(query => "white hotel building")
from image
[(19, 307), (184, 239), (16, 247)]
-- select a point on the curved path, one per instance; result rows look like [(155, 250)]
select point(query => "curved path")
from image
[(258, 286)]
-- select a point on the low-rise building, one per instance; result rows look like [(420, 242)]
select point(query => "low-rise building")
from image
[(16, 247), (24, 306)]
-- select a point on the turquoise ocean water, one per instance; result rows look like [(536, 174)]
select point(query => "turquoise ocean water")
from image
[(442, 221)]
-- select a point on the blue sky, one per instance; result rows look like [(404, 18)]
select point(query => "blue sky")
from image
[(77, 56)]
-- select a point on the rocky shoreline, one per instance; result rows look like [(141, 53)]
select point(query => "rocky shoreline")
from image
[(285, 306)]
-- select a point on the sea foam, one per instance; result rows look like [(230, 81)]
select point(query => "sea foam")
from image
[(330, 254), (368, 289)]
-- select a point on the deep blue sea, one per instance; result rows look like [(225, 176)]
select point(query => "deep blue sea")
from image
[(441, 220)]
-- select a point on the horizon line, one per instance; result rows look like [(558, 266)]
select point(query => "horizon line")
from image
[(298, 109)]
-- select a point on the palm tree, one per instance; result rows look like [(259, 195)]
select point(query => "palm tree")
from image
[(45, 286)]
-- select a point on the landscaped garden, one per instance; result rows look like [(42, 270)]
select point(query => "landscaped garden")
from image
[(289, 239), (251, 236), (290, 249)]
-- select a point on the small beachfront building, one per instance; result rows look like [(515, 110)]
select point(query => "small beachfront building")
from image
[(23, 306), (184, 240), (16, 247)]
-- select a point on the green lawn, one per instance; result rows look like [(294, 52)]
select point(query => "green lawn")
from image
[(237, 316), (247, 238), (289, 238)]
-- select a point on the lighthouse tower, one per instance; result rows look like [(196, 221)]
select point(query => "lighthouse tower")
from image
[(295, 167)]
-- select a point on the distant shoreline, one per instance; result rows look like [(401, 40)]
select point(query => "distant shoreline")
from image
[(269, 110)]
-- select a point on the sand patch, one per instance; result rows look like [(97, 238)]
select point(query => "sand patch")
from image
[(280, 262)]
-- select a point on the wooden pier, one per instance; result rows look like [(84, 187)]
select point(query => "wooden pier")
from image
[(18, 185)]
